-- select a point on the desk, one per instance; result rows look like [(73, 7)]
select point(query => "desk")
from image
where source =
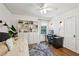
[(58, 42)]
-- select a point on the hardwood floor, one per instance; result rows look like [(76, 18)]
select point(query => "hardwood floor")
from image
[(58, 52), (62, 52)]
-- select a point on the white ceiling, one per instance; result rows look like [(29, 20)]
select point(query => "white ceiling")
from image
[(33, 9)]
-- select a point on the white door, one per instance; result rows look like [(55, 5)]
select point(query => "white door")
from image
[(70, 34), (77, 34)]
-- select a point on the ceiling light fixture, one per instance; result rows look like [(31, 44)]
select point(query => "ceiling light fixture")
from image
[(44, 8), (43, 11)]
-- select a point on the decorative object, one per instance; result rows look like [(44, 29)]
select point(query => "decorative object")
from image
[(51, 32), (11, 31), (4, 36), (0, 21), (5, 24), (3, 49), (43, 29), (9, 43), (60, 21), (27, 26)]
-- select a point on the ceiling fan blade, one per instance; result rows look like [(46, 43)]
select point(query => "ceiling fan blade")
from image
[(48, 9)]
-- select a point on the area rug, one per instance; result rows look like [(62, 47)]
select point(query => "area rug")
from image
[(40, 49)]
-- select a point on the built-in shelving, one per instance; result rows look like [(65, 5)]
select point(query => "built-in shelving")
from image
[(28, 26)]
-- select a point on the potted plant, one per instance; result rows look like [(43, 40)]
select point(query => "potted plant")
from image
[(12, 32)]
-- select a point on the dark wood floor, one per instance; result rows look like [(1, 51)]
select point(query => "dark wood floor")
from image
[(62, 52)]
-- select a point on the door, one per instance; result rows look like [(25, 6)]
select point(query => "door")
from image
[(77, 33), (70, 34)]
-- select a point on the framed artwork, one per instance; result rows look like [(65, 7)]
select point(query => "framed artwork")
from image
[(28, 26), (43, 29)]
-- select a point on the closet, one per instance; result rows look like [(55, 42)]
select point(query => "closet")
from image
[(70, 33)]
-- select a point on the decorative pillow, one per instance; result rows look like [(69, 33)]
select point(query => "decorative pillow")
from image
[(9, 43), (3, 49), (3, 36)]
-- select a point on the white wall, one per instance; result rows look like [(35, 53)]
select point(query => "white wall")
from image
[(55, 25), (6, 16)]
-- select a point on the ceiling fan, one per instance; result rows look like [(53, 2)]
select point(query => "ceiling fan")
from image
[(43, 8)]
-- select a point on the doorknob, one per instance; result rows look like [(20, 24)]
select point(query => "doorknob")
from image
[(74, 36)]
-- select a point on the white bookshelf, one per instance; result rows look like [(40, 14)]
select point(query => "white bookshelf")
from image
[(28, 30)]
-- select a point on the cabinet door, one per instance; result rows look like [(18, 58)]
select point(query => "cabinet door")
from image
[(26, 36), (70, 39), (35, 37), (31, 38)]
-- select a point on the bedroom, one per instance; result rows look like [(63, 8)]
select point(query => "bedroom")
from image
[(34, 23)]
